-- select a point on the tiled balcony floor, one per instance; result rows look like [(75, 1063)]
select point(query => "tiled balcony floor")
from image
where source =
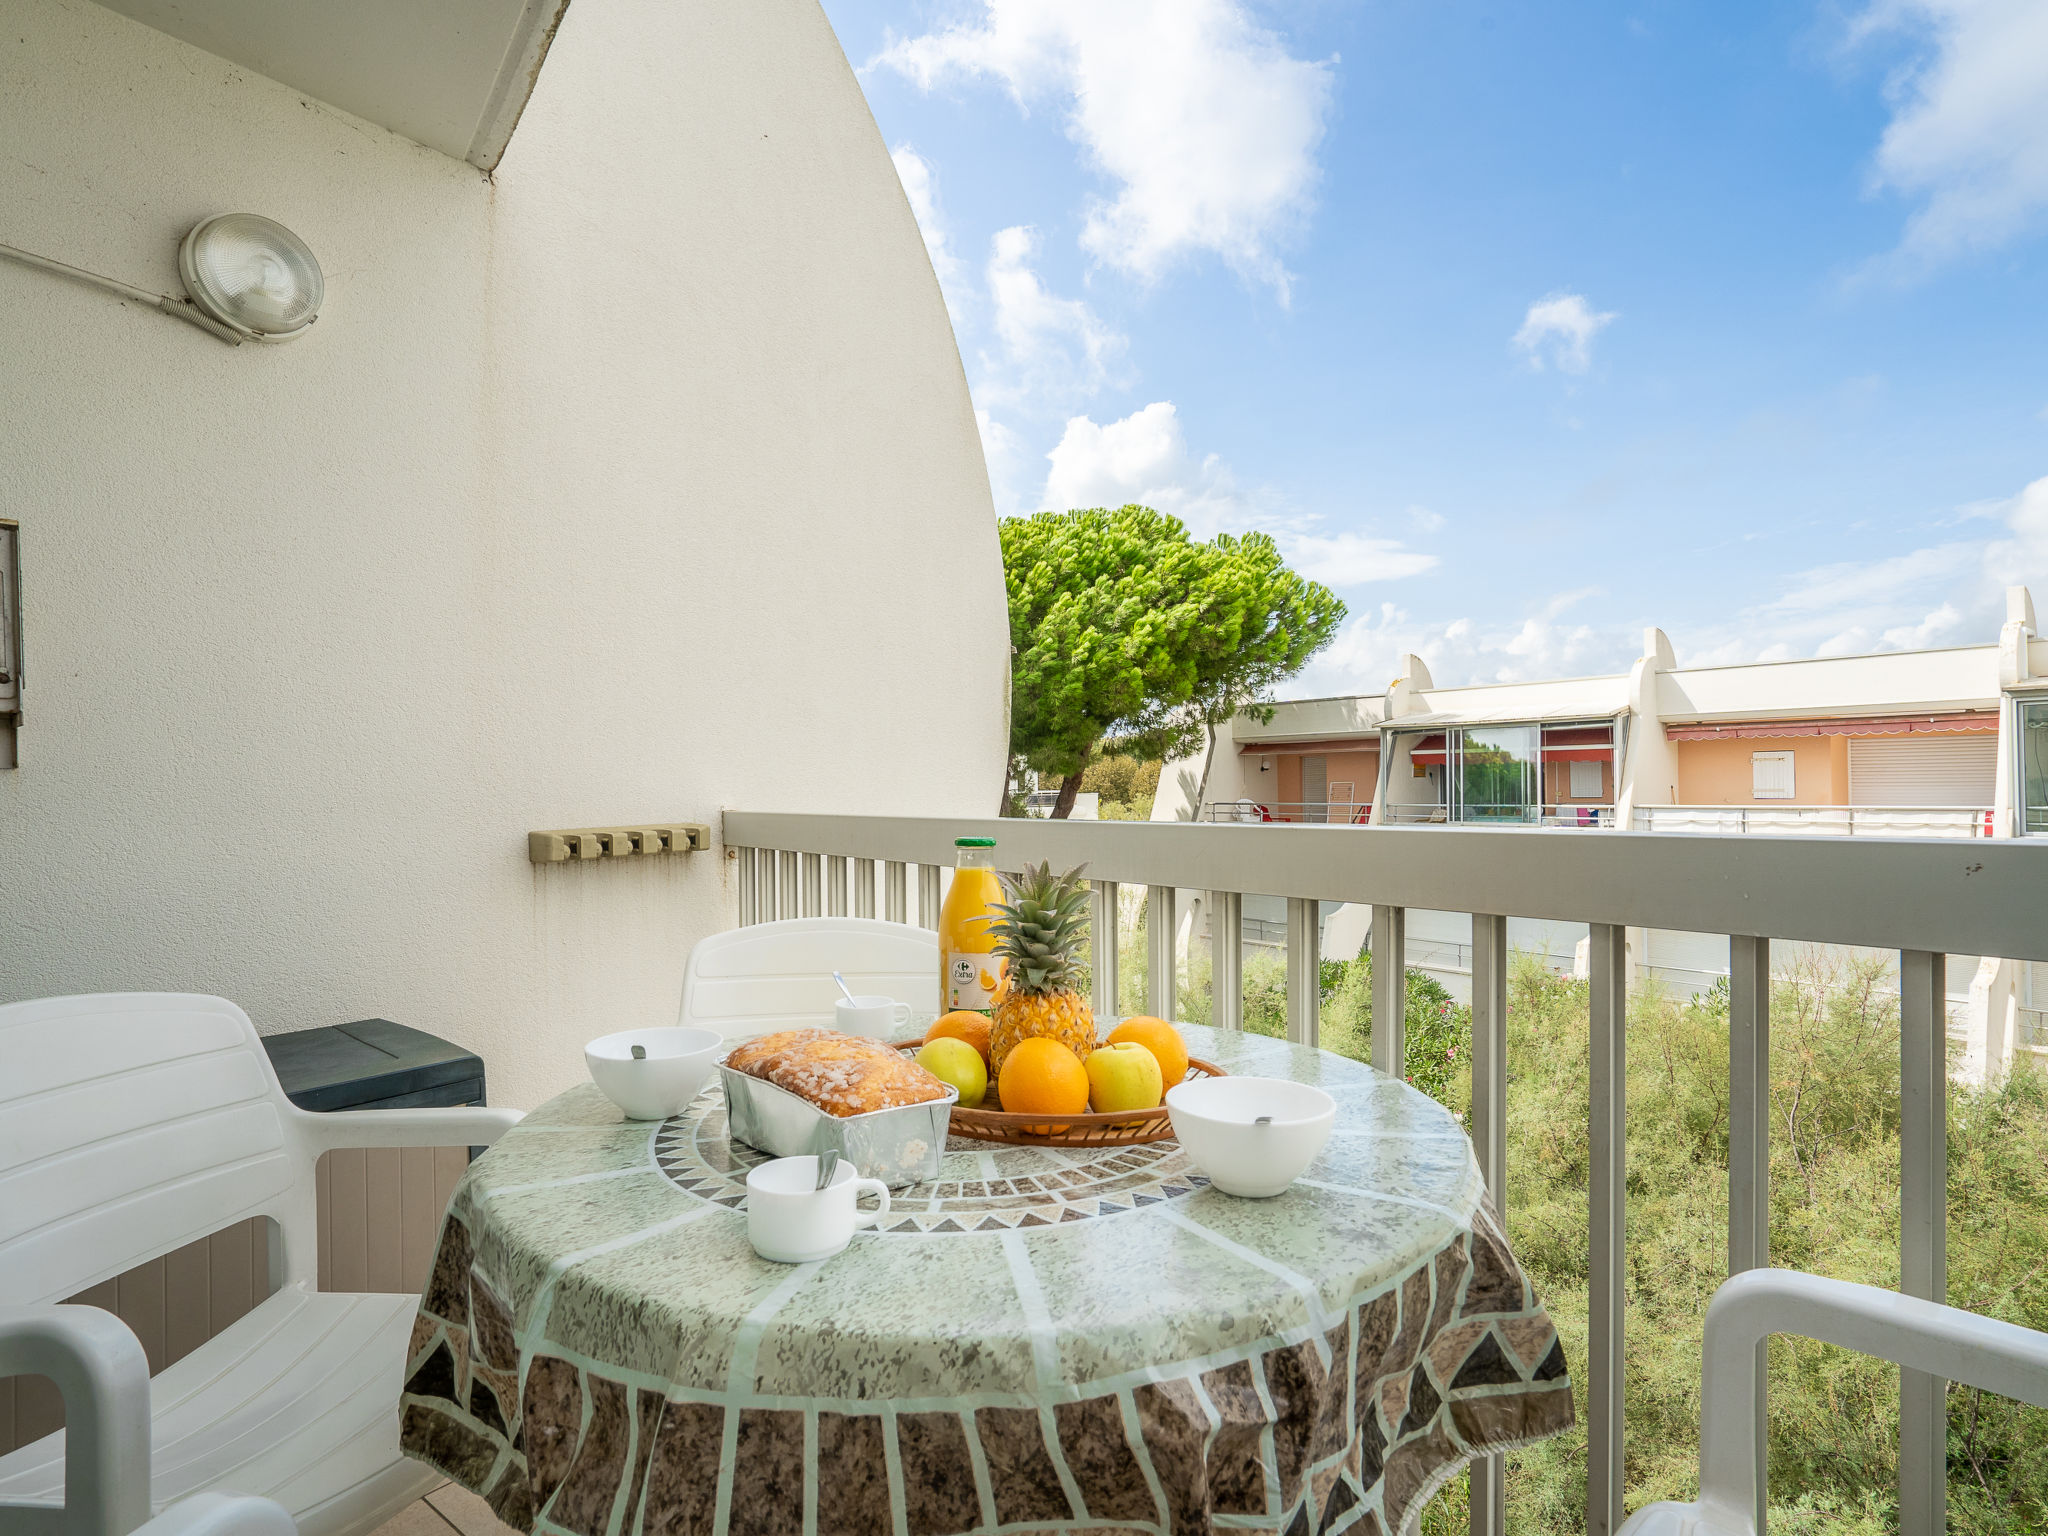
[(447, 1511)]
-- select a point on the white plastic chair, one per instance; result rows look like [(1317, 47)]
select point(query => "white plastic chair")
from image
[(130, 1125), (779, 975), (1924, 1335)]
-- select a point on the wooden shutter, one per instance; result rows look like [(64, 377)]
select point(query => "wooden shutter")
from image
[(1771, 776)]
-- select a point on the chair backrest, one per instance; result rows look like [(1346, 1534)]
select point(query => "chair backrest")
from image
[(779, 975), (131, 1124)]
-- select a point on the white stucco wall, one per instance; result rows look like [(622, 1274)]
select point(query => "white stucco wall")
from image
[(638, 483)]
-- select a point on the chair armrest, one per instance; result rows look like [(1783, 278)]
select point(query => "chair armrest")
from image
[(465, 1126), (222, 1514), (103, 1377)]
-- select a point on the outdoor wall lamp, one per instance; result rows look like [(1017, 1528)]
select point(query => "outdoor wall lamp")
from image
[(247, 278)]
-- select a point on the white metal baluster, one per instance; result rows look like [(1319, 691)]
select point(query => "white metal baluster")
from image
[(786, 903), (766, 887), (1162, 935), (1226, 959), (863, 887), (1390, 990), (814, 884), (1923, 1230), (835, 885), (749, 915), (1608, 957), (1749, 1140), (1490, 1143), (1304, 970), (1103, 920), (928, 896), (895, 896)]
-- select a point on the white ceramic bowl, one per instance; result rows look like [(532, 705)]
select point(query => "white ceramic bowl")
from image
[(678, 1065), (1214, 1118)]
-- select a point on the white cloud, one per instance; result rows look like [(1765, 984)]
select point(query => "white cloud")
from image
[(1561, 328), (1052, 352), (1204, 122), (1352, 559), (1144, 458), (1542, 644), (1941, 594), (920, 186), (1969, 130)]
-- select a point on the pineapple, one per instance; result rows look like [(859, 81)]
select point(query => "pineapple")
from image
[(1039, 933)]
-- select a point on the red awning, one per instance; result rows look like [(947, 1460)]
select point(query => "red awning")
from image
[(1306, 748), (1577, 754), (1978, 723), (1578, 736), (1429, 750)]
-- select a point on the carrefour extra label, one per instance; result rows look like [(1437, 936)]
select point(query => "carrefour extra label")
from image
[(971, 980)]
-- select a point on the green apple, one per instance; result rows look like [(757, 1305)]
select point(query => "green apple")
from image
[(959, 1065), (1123, 1077)]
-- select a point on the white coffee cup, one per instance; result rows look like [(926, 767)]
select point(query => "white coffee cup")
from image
[(879, 1018), (792, 1221)]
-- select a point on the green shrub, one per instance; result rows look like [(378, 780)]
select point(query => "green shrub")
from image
[(1834, 1168)]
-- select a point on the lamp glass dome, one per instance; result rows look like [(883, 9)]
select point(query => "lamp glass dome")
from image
[(253, 274)]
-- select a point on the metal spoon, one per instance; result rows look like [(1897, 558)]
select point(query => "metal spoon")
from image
[(639, 1053), (1263, 1120), (828, 1164), (843, 987)]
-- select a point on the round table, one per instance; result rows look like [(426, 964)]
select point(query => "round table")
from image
[(1039, 1339)]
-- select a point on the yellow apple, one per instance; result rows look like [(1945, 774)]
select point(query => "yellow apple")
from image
[(1123, 1077), (959, 1065)]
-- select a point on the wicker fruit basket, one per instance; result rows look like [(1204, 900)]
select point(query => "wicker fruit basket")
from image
[(990, 1122)]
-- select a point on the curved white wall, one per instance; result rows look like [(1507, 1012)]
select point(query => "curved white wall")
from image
[(637, 483)]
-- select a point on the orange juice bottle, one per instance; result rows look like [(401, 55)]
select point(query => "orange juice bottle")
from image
[(968, 968)]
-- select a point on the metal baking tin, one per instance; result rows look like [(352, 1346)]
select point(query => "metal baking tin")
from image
[(898, 1146)]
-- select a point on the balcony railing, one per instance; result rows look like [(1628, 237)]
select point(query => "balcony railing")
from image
[(1251, 813), (1820, 820), (1501, 815), (1922, 897)]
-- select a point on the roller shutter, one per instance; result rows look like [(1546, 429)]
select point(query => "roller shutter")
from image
[(1945, 770)]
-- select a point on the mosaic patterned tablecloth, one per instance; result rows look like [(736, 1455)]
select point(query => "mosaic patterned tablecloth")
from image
[(1040, 1340)]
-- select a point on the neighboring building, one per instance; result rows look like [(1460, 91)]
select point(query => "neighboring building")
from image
[(631, 478), (1947, 743)]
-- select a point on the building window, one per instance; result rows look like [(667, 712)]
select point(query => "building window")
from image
[(2033, 721), (1587, 781), (1770, 775)]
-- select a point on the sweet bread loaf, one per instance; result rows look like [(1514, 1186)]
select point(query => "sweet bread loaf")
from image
[(841, 1074)]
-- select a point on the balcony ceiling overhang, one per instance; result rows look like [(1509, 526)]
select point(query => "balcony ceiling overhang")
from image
[(1437, 720), (1301, 746), (453, 75)]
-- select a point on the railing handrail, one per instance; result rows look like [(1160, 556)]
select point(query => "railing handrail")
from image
[(1743, 805), (1944, 895)]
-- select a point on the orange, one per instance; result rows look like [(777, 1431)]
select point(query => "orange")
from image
[(962, 1025), (1161, 1039), (1043, 1077)]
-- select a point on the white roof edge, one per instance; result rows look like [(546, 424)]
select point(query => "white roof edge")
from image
[(1812, 661), (524, 53)]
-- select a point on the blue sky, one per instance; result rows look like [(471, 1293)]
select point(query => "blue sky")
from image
[(1522, 326)]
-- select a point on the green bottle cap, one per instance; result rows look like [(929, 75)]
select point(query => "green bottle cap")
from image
[(974, 842)]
